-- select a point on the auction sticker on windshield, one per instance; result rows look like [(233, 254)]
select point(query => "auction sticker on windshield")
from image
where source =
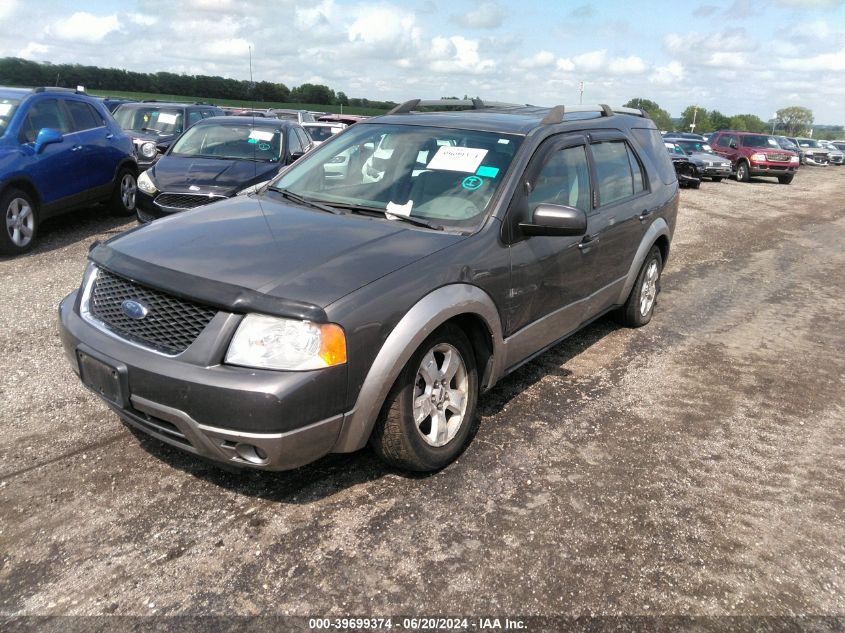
[(261, 135), (466, 159), (167, 119)]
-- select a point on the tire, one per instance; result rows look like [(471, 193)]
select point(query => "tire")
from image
[(742, 173), (695, 184), (414, 444), (785, 180), (639, 307), (716, 179), (20, 222), (125, 193)]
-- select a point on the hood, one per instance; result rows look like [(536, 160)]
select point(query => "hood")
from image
[(208, 175), (150, 136), (265, 245), (707, 157)]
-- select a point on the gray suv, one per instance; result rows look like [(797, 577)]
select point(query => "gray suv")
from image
[(372, 291)]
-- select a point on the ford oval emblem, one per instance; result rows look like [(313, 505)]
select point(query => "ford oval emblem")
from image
[(134, 310)]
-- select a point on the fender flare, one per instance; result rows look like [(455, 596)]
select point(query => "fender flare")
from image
[(657, 229), (419, 322)]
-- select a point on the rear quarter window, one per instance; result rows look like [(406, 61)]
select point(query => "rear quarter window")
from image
[(651, 142)]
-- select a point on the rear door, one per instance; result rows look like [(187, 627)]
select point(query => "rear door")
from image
[(98, 152), (723, 147)]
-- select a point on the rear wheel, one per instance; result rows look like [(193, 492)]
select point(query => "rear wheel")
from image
[(639, 307), (742, 172), (785, 180), (125, 191), (21, 222), (427, 417)]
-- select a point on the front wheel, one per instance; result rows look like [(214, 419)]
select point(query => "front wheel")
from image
[(639, 307), (742, 173), (427, 417), (125, 192), (21, 223), (785, 180)]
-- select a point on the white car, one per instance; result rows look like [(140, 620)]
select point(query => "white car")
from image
[(834, 153)]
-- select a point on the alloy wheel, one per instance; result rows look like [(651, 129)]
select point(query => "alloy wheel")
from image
[(649, 291), (440, 395), (20, 222)]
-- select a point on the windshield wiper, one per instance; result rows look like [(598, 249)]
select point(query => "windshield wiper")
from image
[(305, 201), (151, 129), (360, 208)]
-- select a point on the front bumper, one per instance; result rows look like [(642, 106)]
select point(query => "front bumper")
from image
[(717, 172), (269, 420), (772, 169)]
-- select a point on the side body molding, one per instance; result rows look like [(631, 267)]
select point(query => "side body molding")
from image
[(421, 320), (657, 228)]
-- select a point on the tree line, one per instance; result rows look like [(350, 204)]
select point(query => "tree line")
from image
[(790, 121), (22, 72)]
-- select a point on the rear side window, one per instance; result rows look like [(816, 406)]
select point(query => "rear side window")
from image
[(636, 170), (84, 116), (193, 117), (46, 113), (613, 170), (294, 144), (651, 142)]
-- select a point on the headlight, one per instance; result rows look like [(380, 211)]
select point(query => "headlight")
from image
[(758, 157), (145, 183), (794, 159), (267, 342), (148, 149)]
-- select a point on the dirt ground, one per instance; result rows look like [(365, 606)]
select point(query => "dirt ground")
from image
[(691, 467)]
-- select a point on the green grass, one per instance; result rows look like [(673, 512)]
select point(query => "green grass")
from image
[(140, 96)]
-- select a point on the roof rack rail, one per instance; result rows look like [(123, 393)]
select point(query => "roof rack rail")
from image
[(475, 104), (58, 89), (556, 114)]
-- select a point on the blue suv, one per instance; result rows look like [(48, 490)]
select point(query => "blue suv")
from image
[(59, 150)]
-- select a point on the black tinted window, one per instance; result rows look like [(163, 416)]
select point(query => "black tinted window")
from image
[(294, 144), (613, 169), (636, 170), (564, 179), (650, 141), (82, 115)]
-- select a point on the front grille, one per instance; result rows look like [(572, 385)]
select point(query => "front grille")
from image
[(170, 325), (185, 200), (779, 158)]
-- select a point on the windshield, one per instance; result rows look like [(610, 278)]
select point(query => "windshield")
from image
[(230, 142), (759, 140), (321, 132), (151, 119), (785, 143), (7, 111), (445, 175), (806, 142), (694, 146)]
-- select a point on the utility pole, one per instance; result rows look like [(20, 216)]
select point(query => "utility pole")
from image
[(774, 121), (694, 115), (580, 93)]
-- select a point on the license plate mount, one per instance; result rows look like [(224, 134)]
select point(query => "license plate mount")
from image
[(107, 380)]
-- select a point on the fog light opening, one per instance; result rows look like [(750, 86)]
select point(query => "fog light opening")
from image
[(251, 454)]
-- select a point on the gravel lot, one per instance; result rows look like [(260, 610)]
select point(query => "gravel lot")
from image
[(692, 467)]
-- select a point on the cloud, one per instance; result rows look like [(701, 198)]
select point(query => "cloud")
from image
[(705, 10), (627, 66), (582, 12), (228, 47), (142, 19), (810, 4), (459, 56), (85, 27), (384, 30), (488, 15), (543, 59), (825, 62), (34, 50), (590, 62), (671, 73), (692, 44)]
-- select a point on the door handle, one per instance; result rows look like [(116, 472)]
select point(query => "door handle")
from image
[(587, 243), (646, 212), (109, 136), (76, 148)]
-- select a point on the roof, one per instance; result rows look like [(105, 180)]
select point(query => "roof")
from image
[(507, 120), (245, 120), (14, 93)]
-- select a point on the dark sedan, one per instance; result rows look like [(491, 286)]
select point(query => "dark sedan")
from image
[(215, 159), (712, 165)]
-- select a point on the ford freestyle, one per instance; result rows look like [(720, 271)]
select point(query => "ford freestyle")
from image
[(321, 314)]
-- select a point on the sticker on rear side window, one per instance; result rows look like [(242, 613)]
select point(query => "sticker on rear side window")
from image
[(466, 159)]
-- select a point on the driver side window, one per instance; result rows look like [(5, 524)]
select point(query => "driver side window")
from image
[(43, 114), (564, 179)]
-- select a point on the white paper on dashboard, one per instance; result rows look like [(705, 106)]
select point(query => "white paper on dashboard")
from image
[(465, 159), (5, 108), (169, 119), (261, 135), (399, 209)]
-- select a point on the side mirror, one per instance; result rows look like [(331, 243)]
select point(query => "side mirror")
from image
[(47, 136), (555, 219), (161, 148), (296, 156), (732, 145)]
